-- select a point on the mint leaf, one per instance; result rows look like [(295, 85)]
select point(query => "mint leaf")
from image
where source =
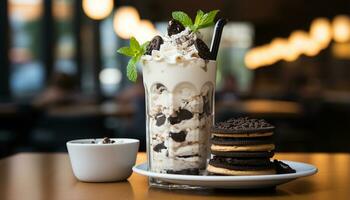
[(144, 47), (134, 44), (202, 19), (183, 18), (131, 71), (126, 51), (135, 51), (199, 15), (207, 19)]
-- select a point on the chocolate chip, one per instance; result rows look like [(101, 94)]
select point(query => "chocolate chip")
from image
[(106, 140), (160, 119), (159, 147), (178, 137), (243, 123), (202, 48), (175, 27), (154, 45)]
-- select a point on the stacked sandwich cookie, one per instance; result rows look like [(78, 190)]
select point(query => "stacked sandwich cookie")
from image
[(242, 146)]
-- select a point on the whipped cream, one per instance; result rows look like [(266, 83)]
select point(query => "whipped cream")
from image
[(176, 48)]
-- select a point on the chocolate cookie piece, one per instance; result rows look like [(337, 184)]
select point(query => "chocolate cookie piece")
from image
[(160, 87), (160, 119), (175, 27), (244, 154), (242, 125), (194, 171), (241, 141), (106, 140), (282, 168), (242, 161), (158, 148), (154, 44), (241, 164), (178, 137), (187, 156), (180, 115), (202, 48)]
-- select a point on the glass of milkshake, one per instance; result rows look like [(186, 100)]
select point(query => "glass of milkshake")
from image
[(179, 83), (179, 74)]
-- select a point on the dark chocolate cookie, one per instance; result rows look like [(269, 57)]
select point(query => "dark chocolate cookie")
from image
[(242, 125), (202, 48), (242, 161), (154, 44), (241, 141), (160, 119), (241, 164), (175, 27), (244, 154), (159, 147), (282, 168), (178, 137), (180, 115)]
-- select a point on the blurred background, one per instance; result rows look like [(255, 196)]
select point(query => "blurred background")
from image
[(61, 78)]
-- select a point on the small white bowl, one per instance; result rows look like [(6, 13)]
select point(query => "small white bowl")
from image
[(102, 162)]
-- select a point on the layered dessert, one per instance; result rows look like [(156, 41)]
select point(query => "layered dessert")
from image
[(179, 80), (244, 146)]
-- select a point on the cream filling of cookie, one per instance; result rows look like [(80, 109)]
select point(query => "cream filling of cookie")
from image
[(243, 135), (260, 147), (225, 171)]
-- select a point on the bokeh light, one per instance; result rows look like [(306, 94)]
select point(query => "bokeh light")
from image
[(110, 76), (97, 9), (126, 21), (145, 31), (29, 10), (320, 31), (341, 28)]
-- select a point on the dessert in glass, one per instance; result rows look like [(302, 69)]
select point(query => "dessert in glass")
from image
[(179, 74)]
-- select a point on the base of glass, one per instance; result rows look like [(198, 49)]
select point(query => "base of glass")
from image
[(158, 183)]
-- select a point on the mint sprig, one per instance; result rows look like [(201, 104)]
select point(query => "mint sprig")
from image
[(135, 51), (202, 19)]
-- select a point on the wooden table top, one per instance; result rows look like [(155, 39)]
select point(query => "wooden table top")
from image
[(30, 176)]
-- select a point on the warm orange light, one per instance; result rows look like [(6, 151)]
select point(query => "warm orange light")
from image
[(341, 28), (320, 31), (97, 9), (291, 53), (25, 10), (341, 50), (304, 44), (251, 59), (298, 40), (62, 10), (145, 31), (278, 48), (126, 21)]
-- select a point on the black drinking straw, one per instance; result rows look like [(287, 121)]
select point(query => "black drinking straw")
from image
[(215, 43)]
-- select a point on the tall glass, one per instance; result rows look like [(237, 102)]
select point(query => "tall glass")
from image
[(179, 112)]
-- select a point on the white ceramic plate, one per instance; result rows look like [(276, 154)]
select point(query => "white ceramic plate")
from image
[(234, 182)]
